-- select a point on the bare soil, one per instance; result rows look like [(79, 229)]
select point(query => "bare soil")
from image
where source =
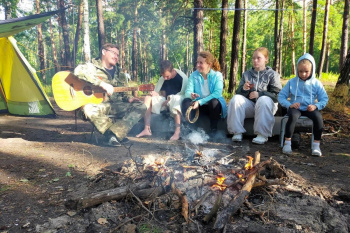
[(44, 162)]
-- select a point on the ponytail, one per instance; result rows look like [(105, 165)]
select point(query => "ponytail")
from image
[(216, 65)]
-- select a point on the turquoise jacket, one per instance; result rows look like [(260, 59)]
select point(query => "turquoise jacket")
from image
[(304, 92), (216, 85)]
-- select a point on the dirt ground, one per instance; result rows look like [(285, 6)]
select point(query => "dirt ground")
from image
[(44, 161)]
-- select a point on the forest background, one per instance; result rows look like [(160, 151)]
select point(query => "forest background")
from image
[(150, 31)]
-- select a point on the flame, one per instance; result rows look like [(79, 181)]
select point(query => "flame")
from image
[(158, 164), (249, 165), (220, 182)]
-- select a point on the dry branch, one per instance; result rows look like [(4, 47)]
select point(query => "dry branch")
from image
[(224, 216), (104, 196), (215, 208)]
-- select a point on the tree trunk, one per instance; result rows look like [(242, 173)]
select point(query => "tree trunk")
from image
[(134, 46), (210, 36), (235, 47), (142, 71), (145, 63), (198, 30), (77, 32), (67, 61), (101, 25), (244, 39), (345, 34), (223, 37), (312, 27), (186, 70), (304, 26), (324, 40), (276, 62), (327, 55), (280, 39), (163, 52), (86, 46), (122, 49), (344, 77), (292, 41), (128, 55), (53, 46), (41, 51)]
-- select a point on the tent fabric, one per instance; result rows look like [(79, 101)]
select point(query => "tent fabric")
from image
[(11, 27), (20, 90)]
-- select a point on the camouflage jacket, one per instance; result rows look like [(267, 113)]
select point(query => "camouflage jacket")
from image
[(94, 73)]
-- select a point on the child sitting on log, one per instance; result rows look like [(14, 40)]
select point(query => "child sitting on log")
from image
[(303, 90)]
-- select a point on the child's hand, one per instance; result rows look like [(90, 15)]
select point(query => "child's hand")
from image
[(247, 86), (134, 99), (194, 95), (295, 105), (165, 103), (311, 108), (195, 105), (253, 95)]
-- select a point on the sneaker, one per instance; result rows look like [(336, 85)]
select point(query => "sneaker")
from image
[(260, 139), (316, 152), (287, 149), (237, 137), (112, 141)]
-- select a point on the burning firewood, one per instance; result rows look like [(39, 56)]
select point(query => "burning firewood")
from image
[(224, 215)]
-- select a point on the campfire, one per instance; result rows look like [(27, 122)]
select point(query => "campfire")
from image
[(206, 186)]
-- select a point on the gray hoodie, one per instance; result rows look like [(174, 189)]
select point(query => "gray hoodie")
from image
[(266, 83)]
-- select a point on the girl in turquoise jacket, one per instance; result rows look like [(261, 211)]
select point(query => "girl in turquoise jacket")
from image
[(204, 90)]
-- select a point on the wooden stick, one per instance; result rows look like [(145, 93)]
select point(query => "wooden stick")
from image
[(224, 215), (203, 198), (213, 210), (104, 196)]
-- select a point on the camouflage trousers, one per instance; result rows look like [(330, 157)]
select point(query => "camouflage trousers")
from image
[(125, 115)]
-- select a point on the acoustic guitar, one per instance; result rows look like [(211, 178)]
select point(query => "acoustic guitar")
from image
[(71, 93)]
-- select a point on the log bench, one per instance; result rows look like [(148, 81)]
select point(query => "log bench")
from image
[(162, 124)]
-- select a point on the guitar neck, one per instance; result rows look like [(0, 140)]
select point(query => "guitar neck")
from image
[(124, 89)]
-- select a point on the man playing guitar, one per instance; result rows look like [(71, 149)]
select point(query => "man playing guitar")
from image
[(104, 72)]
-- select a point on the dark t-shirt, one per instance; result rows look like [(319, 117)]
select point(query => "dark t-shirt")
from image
[(111, 71), (172, 86)]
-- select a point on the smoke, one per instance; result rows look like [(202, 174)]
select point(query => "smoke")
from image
[(197, 137)]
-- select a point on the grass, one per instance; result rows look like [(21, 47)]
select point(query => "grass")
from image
[(148, 228), (4, 188), (325, 77)]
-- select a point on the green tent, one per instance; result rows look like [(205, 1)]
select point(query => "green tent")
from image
[(21, 92)]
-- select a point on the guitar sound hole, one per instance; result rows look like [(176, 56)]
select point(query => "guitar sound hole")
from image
[(87, 90)]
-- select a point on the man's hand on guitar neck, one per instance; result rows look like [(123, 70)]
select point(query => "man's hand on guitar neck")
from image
[(107, 87)]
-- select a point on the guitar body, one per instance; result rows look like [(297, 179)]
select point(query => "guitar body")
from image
[(71, 93)]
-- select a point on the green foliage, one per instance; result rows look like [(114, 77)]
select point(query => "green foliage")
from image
[(174, 20), (330, 77)]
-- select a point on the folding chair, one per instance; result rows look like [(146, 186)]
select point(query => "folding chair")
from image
[(303, 122)]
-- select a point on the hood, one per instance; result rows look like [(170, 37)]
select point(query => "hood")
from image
[(312, 60)]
